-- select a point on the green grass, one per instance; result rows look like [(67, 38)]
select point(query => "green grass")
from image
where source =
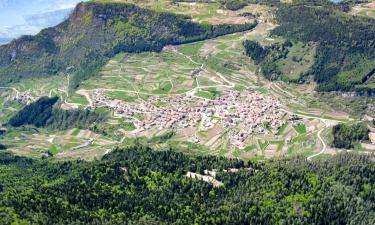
[(222, 46), (358, 148), (250, 148), (239, 88), (128, 126), (211, 94), (363, 66), (53, 149), (122, 96), (100, 110), (257, 158), (263, 145), (298, 61), (188, 147), (301, 129), (191, 49), (205, 94), (299, 138), (76, 132), (79, 99), (262, 90), (290, 150), (164, 88), (282, 129)]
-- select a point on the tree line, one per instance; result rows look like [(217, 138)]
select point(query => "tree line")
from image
[(267, 57), (346, 136)]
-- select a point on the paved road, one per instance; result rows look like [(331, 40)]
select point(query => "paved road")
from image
[(319, 132), (321, 139)]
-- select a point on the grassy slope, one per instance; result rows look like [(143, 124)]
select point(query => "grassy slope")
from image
[(94, 33)]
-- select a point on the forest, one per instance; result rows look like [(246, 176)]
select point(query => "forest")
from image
[(140, 186), (234, 4), (255, 51), (346, 48), (45, 113), (266, 57), (346, 136)]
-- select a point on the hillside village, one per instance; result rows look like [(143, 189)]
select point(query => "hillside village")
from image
[(248, 112)]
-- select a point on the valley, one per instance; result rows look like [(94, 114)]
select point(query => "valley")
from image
[(191, 112), (208, 94)]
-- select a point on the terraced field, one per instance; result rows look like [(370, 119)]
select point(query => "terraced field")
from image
[(202, 70), (205, 67), (364, 9), (61, 144)]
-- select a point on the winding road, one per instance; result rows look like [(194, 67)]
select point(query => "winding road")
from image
[(11, 88), (324, 148), (321, 139)]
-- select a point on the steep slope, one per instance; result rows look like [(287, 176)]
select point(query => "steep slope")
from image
[(345, 58), (94, 33)]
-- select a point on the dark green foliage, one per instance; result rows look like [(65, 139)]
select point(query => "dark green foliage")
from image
[(345, 136), (36, 113), (163, 138), (65, 119), (2, 132), (201, 1), (2, 147), (346, 44), (140, 186), (267, 57), (255, 51), (234, 4), (270, 69), (96, 32), (42, 113)]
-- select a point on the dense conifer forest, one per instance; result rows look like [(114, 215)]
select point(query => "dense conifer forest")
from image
[(346, 50), (345, 136), (142, 186), (44, 113)]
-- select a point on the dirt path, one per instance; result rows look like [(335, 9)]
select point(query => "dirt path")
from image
[(86, 94), (193, 91), (129, 91), (12, 88)]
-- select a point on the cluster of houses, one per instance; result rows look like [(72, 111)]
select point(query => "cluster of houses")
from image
[(249, 112), (24, 97)]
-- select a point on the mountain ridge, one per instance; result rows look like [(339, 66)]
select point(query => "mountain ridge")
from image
[(95, 32)]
